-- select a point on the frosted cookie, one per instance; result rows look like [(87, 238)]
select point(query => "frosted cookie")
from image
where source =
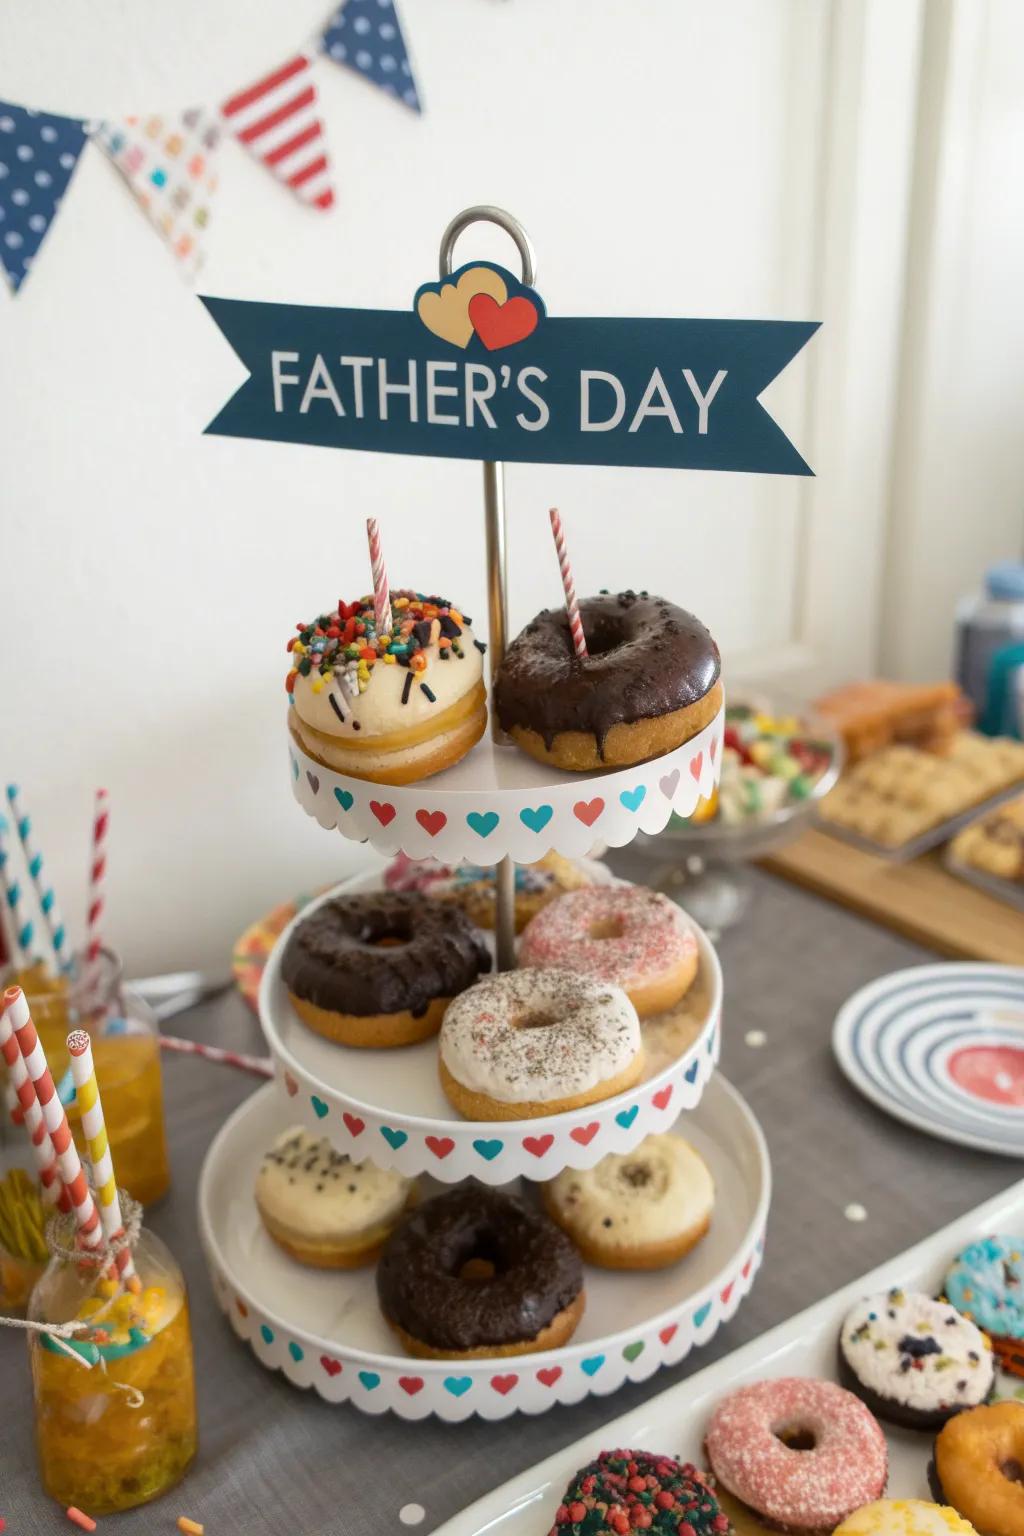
[(322, 1208), (636, 1210), (913, 1360), (986, 1283), (905, 1517)]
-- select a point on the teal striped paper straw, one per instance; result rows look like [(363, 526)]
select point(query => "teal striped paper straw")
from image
[(21, 925), (44, 891)]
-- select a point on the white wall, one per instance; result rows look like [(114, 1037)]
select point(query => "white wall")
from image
[(666, 157)]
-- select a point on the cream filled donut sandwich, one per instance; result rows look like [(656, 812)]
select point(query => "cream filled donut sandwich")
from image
[(393, 706)]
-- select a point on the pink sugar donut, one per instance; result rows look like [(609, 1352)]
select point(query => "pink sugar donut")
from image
[(805, 1491), (623, 935)]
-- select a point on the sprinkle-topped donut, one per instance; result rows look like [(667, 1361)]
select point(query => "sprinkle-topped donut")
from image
[(626, 1491), (536, 1042), (914, 1360), (905, 1517), (810, 1490), (623, 935), (986, 1283)]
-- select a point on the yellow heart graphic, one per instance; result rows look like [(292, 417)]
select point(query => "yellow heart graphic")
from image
[(446, 312)]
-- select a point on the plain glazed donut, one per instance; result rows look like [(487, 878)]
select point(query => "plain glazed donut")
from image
[(529, 1043), (621, 935), (378, 969), (801, 1490), (649, 683), (474, 1273), (979, 1467)]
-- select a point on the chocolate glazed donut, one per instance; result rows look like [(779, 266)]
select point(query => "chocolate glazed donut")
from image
[(649, 683), (474, 1273), (379, 969)]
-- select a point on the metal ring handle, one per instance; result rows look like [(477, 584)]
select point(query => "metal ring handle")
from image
[(486, 214)]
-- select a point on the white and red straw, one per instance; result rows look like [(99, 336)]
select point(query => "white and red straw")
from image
[(262, 1066), (30, 1115), (572, 607), (97, 883), (381, 591)]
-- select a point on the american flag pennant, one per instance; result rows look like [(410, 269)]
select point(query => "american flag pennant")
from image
[(170, 165), (366, 36), (278, 119), (38, 155)]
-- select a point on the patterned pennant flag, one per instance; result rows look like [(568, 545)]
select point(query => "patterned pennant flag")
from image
[(38, 155), (278, 119), (365, 35), (170, 166)]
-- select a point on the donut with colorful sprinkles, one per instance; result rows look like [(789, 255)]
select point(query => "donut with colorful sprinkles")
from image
[(986, 1283), (802, 1454), (625, 1491), (391, 707)]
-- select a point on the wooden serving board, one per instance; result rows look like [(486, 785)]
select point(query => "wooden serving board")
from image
[(918, 899)]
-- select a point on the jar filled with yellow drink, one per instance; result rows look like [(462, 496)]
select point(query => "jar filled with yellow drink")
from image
[(23, 1253), (126, 1050), (115, 1414)]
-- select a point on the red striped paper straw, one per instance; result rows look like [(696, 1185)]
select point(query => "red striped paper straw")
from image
[(29, 1113), (572, 607), (87, 1093), (87, 1217), (262, 1066), (97, 881), (381, 591)]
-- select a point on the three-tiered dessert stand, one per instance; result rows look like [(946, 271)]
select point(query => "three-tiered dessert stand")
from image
[(324, 1329)]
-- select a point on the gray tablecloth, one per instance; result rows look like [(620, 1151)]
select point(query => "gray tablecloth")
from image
[(275, 1459)]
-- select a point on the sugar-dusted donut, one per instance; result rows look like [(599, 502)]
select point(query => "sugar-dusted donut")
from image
[(622, 935), (391, 708), (626, 1491), (635, 1210), (986, 1283), (529, 1043), (914, 1361), (835, 1459), (322, 1208), (905, 1517), (474, 1272), (979, 1467), (649, 683), (379, 968)]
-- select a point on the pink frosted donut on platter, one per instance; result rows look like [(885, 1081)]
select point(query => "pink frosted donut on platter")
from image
[(623, 935), (835, 1460)]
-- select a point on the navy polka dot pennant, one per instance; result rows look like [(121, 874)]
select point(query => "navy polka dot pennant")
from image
[(38, 155), (366, 35)]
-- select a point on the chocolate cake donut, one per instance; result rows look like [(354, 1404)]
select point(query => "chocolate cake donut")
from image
[(649, 683), (474, 1273), (380, 968)]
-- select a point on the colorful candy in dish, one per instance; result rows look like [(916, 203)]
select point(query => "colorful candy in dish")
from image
[(392, 705), (769, 762)]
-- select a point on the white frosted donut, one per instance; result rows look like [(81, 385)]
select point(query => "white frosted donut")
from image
[(534, 1042), (622, 935)]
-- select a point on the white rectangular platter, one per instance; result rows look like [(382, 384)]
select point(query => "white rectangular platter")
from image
[(673, 1422)]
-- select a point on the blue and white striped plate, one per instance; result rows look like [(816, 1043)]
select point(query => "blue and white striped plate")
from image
[(942, 1048)]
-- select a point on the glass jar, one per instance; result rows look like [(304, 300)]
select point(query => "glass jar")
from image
[(115, 1418), (126, 1051), (23, 1253)]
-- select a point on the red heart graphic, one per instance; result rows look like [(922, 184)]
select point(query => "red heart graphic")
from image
[(668, 1334), (588, 811), (661, 1098), (727, 1292), (332, 1367), (242, 1308), (538, 1145), (431, 821), (502, 325), (585, 1134), (746, 1267), (291, 1085), (383, 811), (440, 1145), (353, 1124), (503, 1384), (549, 1375), (696, 764), (714, 747), (410, 1384)]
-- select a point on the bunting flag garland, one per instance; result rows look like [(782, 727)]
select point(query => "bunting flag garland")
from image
[(277, 118), (170, 166), (366, 35), (38, 155)]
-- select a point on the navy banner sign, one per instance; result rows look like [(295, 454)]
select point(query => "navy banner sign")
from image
[(477, 369)]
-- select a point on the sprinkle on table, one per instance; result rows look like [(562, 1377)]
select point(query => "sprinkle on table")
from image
[(83, 1521), (346, 644), (189, 1527)]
